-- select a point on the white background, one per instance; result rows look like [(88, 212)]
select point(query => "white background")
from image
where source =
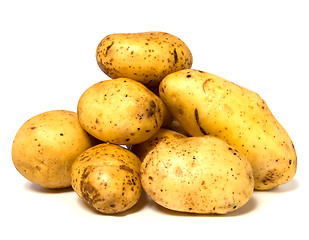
[(47, 60)]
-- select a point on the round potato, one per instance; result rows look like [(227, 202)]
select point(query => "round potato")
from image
[(163, 134), (197, 175), (146, 57), (121, 111), (45, 147), (107, 177)]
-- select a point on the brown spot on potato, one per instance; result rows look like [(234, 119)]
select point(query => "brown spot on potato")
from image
[(126, 168), (198, 122), (175, 56), (152, 108), (271, 177), (205, 83), (87, 190), (108, 47), (89, 193)]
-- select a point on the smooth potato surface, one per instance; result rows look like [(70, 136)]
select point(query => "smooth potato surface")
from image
[(107, 177), (204, 103), (45, 147), (121, 111), (197, 175), (146, 57)]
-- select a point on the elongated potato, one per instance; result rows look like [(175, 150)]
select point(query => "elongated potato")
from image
[(204, 103), (197, 175), (146, 57)]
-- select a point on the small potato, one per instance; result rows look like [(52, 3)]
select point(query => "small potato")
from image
[(146, 57), (121, 111), (204, 103), (45, 147), (107, 177), (197, 175), (163, 134)]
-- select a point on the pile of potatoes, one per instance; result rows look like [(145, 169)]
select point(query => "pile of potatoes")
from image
[(193, 141)]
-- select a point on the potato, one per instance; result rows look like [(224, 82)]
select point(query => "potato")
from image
[(107, 177), (198, 175), (45, 147), (121, 111), (163, 134), (146, 57), (204, 103)]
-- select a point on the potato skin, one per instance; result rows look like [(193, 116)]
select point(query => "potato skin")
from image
[(146, 57), (163, 134), (198, 175), (204, 103), (120, 111), (107, 177), (45, 147)]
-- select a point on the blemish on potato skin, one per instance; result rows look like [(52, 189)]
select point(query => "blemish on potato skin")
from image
[(126, 168), (205, 84), (175, 56), (198, 121), (108, 47), (89, 193), (271, 177), (152, 108)]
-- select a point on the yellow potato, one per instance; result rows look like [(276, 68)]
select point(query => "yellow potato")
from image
[(107, 177), (163, 134), (197, 175), (45, 147), (121, 111), (204, 103), (146, 57)]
